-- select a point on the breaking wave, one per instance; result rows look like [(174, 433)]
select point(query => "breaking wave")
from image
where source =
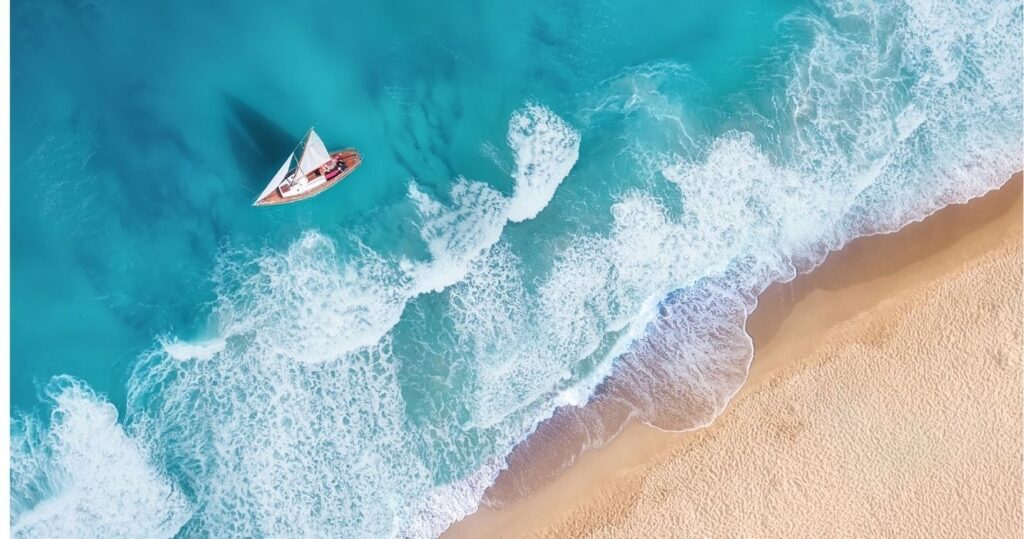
[(84, 476), (545, 148)]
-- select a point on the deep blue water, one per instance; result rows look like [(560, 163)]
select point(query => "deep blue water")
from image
[(544, 189)]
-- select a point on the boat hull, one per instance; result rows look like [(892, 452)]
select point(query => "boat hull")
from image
[(349, 156)]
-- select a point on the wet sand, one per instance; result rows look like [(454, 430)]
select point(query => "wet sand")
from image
[(884, 393)]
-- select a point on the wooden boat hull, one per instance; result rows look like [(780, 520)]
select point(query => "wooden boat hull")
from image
[(349, 156)]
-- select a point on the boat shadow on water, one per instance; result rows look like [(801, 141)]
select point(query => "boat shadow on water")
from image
[(257, 142)]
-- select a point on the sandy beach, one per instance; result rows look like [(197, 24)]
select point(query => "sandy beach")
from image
[(884, 399)]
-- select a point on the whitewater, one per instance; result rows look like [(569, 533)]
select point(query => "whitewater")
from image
[(341, 389)]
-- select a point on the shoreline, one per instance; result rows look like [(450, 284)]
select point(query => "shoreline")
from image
[(790, 322)]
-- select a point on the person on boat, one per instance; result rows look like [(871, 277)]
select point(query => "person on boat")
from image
[(328, 167), (333, 168)]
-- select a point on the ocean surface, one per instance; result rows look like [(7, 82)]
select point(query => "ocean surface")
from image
[(558, 203)]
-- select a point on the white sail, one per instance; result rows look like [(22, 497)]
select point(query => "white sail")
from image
[(314, 154), (276, 180)]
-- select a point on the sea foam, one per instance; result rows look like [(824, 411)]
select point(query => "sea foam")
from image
[(546, 148), (82, 475), (182, 350)]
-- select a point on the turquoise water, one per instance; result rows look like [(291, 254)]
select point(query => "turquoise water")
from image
[(551, 198)]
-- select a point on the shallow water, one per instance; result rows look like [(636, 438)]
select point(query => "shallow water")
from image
[(548, 196)]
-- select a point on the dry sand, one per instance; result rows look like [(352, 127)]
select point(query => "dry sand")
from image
[(884, 399)]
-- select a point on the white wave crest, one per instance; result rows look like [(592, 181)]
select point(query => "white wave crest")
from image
[(546, 149), (183, 350), (307, 305), (83, 476), (457, 235)]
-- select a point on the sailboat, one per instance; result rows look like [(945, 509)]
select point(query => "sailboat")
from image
[(317, 170)]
